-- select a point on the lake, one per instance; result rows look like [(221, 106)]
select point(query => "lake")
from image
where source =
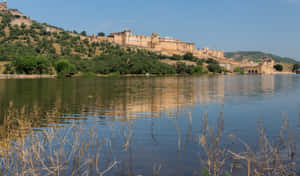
[(162, 116)]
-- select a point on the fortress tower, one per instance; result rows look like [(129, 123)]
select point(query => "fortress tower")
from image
[(3, 5)]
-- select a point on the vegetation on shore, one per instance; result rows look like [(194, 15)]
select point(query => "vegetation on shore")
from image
[(35, 50), (278, 67)]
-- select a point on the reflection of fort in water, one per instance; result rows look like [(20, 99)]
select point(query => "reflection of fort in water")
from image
[(130, 97), (41, 103)]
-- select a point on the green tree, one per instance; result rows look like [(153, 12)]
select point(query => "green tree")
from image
[(176, 57), (211, 61), (296, 67), (181, 67), (215, 68), (237, 69), (64, 68), (101, 34), (278, 67), (29, 65), (23, 26), (83, 33), (188, 56), (198, 69), (200, 61)]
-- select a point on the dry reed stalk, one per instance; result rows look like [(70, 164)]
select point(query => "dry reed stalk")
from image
[(56, 152), (273, 158), (210, 143)]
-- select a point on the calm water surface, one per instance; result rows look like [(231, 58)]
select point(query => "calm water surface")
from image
[(164, 113)]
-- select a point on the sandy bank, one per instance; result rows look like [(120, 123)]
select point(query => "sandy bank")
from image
[(7, 76)]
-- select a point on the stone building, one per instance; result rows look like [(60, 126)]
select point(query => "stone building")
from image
[(3, 5), (5, 9), (266, 67), (166, 45), (206, 52), (155, 43)]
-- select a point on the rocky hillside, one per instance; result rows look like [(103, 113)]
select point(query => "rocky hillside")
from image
[(21, 36), (29, 47), (256, 56)]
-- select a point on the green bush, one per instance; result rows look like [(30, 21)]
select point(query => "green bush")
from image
[(211, 61), (214, 68), (64, 68), (114, 74), (181, 67), (83, 33), (188, 56), (296, 67), (198, 70), (278, 67), (29, 65), (237, 69), (200, 61), (102, 34), (176, 57), (88, 74)]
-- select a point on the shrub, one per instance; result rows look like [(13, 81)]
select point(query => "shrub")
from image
[(198, 69), (88, 74), (83, 33), (237, 69), (296, 67), (278, 67), (102, 34), (188, 56), (181, 67), (200, 61), (211, 61), (176, 57), (29, 65), (215, 68), (64, 68)]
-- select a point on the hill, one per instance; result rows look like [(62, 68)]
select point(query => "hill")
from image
[(256, 56), (34, 48)]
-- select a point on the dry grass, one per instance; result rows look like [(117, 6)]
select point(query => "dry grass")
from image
[(73, 150), (57, 151), (210, 142), (270, 158), (2, 66)]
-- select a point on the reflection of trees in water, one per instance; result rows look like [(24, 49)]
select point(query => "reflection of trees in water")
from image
[(40, 103), (31, 104), (124, 98)]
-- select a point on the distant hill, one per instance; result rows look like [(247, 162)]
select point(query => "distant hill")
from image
[(256, 56)]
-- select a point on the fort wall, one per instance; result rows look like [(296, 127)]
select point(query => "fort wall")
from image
[(3, 5), (264, 68), (164, 45)]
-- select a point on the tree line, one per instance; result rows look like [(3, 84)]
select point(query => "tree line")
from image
[(35, 50)]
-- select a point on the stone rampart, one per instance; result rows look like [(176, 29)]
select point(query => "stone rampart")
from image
[(164, 45)]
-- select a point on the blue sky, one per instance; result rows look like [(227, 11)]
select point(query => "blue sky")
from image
[(265, 25)]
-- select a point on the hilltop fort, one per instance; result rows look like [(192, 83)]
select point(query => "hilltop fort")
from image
[(5, 9), (155, 43), (164, 45)]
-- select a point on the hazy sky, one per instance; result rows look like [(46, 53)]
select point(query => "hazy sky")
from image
[(266, 25)]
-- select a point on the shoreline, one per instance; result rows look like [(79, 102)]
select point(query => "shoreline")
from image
[(22, 76), (16, 76)]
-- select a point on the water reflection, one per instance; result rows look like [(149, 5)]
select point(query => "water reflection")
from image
[(47, 102), (157, 106)]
